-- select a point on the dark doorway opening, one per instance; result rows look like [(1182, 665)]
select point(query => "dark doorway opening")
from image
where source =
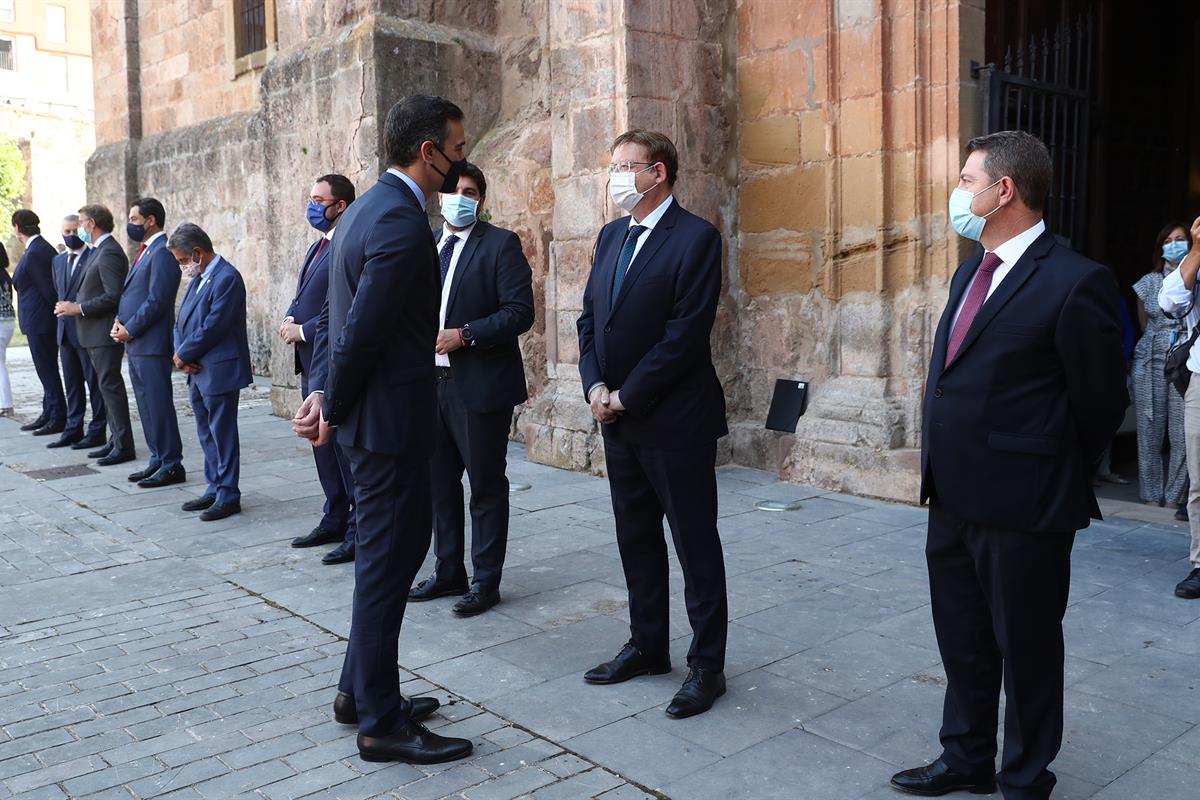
[(1141, 137)]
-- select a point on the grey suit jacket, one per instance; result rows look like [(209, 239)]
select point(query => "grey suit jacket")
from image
[(100, 293)]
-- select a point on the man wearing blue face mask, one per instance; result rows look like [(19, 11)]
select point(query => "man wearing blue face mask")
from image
[(487, 302), (329, 198), (1026, 388)]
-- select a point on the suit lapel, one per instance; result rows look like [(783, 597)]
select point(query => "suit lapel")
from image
[(1020, 272), (310, 264), (604, 264), (464, 262), (657, 236), (186, 313), (73, 280)]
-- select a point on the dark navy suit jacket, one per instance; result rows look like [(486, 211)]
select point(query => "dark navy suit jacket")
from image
[(492, 291), (34, 282), (147, 308), (311, 287), (211, 330), (1013, 425), (373, 355), (67, 287), (653, 343)]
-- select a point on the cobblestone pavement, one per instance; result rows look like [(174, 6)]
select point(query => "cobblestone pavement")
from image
[(146, 654)]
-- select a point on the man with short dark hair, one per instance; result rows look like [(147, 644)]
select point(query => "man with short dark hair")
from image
[(1026, 388), (646, 364), (99, 295), (211, 346), (79, 377), (328, 199), (145, 324), (34, 281), (486, 303), (374, 382)]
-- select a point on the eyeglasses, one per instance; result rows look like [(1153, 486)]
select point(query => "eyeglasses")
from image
[(628, 166)]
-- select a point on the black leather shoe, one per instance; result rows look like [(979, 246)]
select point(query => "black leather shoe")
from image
[(629, 663), (37, 423), (413, 743), (164, 477), (220, 511), (476, 601), (50, 428), (938, 779), (1181, 514), (431, 588), (345, 713), (700, 690), (342, 554), (88, 442), (142, 474), (116, 457), (200, 503), (102, 452), (67, 439), (1189, 587), (317, 536)]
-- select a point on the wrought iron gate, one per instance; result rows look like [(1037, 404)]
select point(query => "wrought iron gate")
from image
[(1045, 88)]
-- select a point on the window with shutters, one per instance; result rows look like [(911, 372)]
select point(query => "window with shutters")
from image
[(249, 34), (7, 57)]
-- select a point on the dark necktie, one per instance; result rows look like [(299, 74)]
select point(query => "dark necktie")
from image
[(631, 240), (446, 254), (975, 297), (311, 261), (71, 260), (138, 259)]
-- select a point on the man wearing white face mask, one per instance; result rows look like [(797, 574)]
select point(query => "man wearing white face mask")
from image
[(487, 302), (1026, 388), (646, 365)]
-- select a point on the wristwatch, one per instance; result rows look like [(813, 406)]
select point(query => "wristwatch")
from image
[(465, 334)]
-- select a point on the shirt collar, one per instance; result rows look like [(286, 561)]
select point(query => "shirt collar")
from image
[(147, 242), (33, 238), (212, 265), (1011, 251), (329, 233), (654, 216), (100, 239), (462, 235), (411, 184)]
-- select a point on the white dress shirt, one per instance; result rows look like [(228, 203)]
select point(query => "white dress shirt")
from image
[(441, 360), (1010, 253), (146, 244), (1175, 298), (411, 184)]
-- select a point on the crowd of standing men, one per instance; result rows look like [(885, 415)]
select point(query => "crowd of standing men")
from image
[(1026, 388)]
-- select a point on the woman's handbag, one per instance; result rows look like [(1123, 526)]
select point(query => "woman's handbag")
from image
[(1176, 369)]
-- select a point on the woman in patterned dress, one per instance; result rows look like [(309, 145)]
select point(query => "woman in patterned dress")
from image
[(1163, 475)]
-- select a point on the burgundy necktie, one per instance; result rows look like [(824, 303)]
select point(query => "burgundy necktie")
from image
[(975, 297), (138, 259)]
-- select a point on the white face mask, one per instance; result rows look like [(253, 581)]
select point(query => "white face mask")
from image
[(622, 188), (968, 224)]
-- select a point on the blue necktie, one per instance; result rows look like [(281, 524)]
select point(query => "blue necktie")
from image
[(631, 240), (445, 256)]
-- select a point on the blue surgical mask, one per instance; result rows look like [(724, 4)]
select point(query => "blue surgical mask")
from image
[(1175, 251), (317, 218), (968, 224), (87, 237), (459, 210)]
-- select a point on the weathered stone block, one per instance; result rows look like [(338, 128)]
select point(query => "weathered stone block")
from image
[(789, 199), (772, 140)]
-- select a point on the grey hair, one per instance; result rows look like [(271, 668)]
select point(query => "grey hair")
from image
[(1022, 157), (189, 236), (71, 218)]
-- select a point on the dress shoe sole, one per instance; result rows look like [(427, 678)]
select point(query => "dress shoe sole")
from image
[(415, 758), (1185, 594), (146, 483), (326, 560), (59, 444), (638, 674), (697, 711), (972, 788), (439, 593), (352, 719), (301, 543)]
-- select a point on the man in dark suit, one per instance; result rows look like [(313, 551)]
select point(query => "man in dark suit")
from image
[(331, 195), (487, 302), (145, 324), (1026, 388), (99, 294), (79, 378), (647, 370), (373, 380), (211, 346), (34, 281)]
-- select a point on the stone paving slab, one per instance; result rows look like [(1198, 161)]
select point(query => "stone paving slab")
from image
[(145, 654)]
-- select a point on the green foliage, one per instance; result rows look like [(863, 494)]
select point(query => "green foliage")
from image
[(12, 177)]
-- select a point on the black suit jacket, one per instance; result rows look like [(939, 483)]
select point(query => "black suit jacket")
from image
[(1036, 392), (66, 284), (99, 295), (492, 291), (312, 284), (373, 355), (653, 343), (34, 281)]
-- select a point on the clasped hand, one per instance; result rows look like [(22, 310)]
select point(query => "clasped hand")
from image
[(606, 405), (309, 421)]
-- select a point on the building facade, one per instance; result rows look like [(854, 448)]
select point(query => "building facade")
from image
[(46, 99), (822, 137)]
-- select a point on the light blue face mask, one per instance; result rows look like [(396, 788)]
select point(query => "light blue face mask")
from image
[(1175, 251), (968, 224), (459, 210)]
